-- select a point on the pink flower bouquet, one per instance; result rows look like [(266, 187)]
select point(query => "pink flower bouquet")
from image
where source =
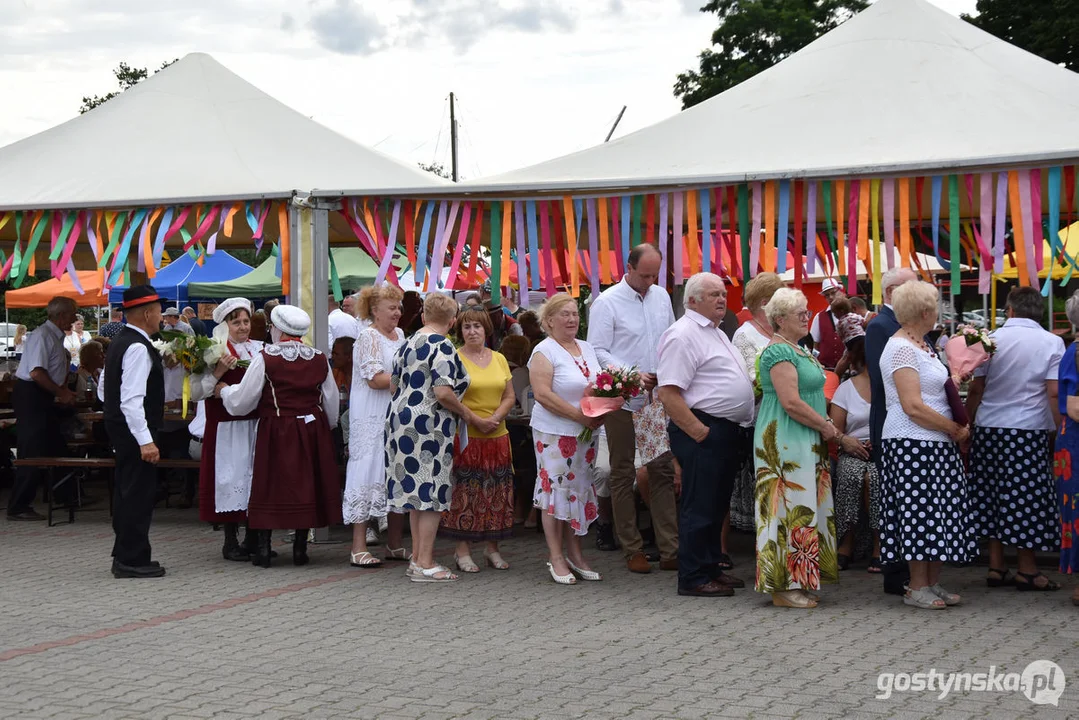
[(613, 386), (968, 350)]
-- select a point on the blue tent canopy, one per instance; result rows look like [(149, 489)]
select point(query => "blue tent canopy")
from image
[(172, 280)]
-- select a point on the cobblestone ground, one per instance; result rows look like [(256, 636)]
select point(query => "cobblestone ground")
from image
[(227, 640)]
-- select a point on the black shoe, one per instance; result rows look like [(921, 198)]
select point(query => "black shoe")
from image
[(651, 552), (119, 570), (299, 548), (232, 550), (262, 553), (26, 515), (605, 537)]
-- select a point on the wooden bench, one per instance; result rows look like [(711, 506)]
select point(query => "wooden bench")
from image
[(108, 465)]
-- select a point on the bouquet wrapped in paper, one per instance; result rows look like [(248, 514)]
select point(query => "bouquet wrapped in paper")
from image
[(968, 350), (610, 391), (194, 353)]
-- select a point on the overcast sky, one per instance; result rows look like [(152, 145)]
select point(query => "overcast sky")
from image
[(535, 79)]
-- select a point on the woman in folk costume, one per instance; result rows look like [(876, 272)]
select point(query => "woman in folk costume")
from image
[(295, 482), (228, 442)]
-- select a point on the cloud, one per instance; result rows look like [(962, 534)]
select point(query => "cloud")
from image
[(344, 26), (347, 28), (288, 23)]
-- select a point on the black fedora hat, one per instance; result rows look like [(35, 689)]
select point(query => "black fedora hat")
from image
[(140, 295)]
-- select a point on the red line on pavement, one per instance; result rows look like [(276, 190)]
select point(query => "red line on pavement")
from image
[(179, 615)]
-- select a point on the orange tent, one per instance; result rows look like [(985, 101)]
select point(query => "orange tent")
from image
[(38, 296)]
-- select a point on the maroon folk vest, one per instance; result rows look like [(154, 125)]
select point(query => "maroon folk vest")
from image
[(831, 348)]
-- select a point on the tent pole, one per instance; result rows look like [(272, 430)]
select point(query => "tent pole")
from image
[(1049, 279), (993, 305)]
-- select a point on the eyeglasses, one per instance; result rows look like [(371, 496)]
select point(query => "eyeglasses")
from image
[(802, 315)]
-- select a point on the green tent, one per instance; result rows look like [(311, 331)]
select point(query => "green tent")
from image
[(354, 266)]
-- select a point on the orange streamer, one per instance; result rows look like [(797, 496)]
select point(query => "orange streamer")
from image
[(1017, 229), (905, 242), (768, 252)]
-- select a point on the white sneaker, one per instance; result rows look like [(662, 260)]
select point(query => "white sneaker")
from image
[(383, 524), (372, 536)]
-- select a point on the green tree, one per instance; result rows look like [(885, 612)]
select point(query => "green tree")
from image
[(127, 77), (436, 168), (754, 35), (1049, 28)]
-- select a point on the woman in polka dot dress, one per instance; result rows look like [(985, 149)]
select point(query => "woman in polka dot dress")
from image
[(924, 513)]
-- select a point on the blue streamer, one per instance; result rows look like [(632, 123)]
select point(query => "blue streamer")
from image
[(421, 255), (706, 230), (533, 242), (627, 220), (938, 189), (784, 223)]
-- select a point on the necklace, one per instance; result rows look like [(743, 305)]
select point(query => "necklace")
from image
[(917, 342), (801, 351), (474, 357), (583, 368)]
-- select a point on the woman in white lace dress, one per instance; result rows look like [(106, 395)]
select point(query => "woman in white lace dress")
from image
[(365, 476)]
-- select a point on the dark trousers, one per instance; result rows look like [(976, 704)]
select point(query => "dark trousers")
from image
[(133, 501), (708, 472), (37, 429)]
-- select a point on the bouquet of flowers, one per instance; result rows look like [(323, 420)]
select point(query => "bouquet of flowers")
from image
[(613, 386), (969, 349), (194, 353)]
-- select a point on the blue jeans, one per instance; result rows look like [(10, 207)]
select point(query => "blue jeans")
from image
[(708, 471)]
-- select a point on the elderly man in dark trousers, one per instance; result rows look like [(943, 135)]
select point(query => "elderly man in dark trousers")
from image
[(40, 386), (624, 326), (706, 391), (133, 390), (877, 333)]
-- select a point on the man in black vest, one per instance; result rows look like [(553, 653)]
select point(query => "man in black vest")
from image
[(133, 390)]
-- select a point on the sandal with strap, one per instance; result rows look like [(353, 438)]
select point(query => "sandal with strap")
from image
[(494, 559), (949, 598), (364, 560), (1005, 579), (875, 566), (1031, 586), (923, 598), (724, 562), (397, 554), (465, 563), (436, 574)]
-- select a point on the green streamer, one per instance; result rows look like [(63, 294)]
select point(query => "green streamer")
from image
[(743, 229), (335, 280), (31, 247), (496, 252), (638, 209)]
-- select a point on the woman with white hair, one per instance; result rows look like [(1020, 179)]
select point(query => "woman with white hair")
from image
[(227, 441), (923, 484), (1067, 447), (796, 543)]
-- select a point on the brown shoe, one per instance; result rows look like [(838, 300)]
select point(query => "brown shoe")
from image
[(638, 563), (709, 589), (671, 564), (730, 581)]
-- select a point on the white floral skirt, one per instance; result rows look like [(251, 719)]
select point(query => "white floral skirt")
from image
[(564, 479), (365, 474)]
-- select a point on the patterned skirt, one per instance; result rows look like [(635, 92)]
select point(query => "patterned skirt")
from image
[(1012, 490), (744, 497), (923, 503), (851, 474), (481, 506), (564, 483)]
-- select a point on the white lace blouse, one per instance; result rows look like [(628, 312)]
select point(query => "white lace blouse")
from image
[(932, 375)]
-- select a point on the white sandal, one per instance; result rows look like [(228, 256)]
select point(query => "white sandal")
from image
[(465, 563), (949, 598), (430, 575), (584, 574), (364, 560), (397, 554), (561, 579), (923, 598), (495, 560)]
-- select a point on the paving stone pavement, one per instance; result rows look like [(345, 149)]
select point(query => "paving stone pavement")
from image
[(227, 640)]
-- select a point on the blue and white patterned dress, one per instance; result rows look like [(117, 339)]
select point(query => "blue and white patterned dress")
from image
[(419, 431)]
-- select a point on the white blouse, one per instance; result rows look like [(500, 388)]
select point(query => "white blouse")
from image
[(568, 383), (848, 398), (750, 342), (932, 375)]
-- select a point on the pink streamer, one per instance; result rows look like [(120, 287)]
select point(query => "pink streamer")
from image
[(1028, 225), (852, 237), (73, 239), (664, 245), (462, 241), (522, 255), (811, 226), (387, 257), (1001, 215), (985, 186), (1036, 213), (439, 259), (679, 272)]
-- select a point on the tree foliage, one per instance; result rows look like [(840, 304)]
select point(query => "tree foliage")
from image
[(127, 77), (754, 35), (1049, 28), (436, 168)]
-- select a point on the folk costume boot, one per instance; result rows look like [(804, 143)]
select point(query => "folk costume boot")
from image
[(251, 544), (262, 554), (232, 549), (299, 547)]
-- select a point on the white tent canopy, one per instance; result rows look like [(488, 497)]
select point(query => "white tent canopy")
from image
[(194, 132), (902, 86), (821, 270)]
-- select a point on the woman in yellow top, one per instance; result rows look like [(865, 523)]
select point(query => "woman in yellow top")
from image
[(481, 507)]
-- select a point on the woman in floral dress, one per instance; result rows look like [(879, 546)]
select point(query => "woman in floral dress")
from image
[(796, 543)]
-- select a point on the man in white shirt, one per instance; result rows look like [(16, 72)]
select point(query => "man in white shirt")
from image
[(625, 324), (1013, 403), (707, 393), (342, 320), (40, 384), (823, 331), (133, 391)]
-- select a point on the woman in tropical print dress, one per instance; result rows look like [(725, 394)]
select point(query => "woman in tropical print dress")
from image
[(796, 543), (1067, 454)]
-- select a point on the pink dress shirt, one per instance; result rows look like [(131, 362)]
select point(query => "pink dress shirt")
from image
[(696, 356)]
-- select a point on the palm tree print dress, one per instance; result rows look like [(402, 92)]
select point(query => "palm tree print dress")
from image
[(796, 543)]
